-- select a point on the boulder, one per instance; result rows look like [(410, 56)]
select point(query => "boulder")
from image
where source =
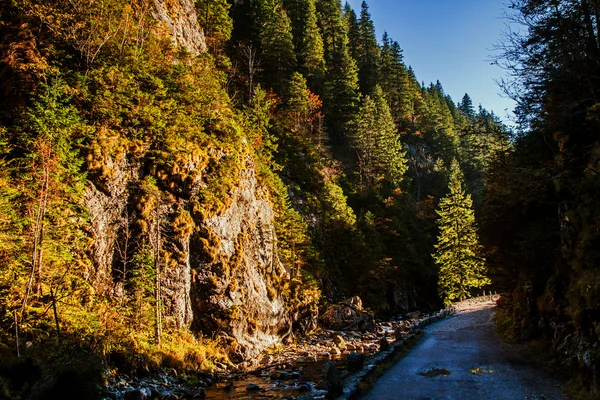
[(348, 316), (383, 344), (252, 387), (355, 361), (339, 342)]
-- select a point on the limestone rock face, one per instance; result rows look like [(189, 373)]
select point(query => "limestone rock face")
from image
[(236, 271), (106, 203), (181, 19)]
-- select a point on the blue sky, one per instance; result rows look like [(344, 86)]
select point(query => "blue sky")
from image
[(449, 40)]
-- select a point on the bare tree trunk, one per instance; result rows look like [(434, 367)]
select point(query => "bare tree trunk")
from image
[(55, 315), (17, 333), (37, 236), (157, 311)]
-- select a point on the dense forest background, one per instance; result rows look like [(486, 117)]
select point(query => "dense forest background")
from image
[(133, 132)]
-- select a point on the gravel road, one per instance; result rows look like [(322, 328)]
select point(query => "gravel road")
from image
[(462, 357)]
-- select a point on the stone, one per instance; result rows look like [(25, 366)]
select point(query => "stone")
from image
[(295, 375), (412, 315), (135, 394), (347, 317), (384, 345), (252, 387), (339, 342), (354, 301), (355, 361), (303, 388), (279, 375), (399, 333), (335, 384)]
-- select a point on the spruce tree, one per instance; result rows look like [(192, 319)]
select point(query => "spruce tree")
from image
[(458, 252), (341, 96), (369, 51), (307, 39), (466, 106), (213, 16), (394, 81), (377, 143), (351, 21), (276, 43)]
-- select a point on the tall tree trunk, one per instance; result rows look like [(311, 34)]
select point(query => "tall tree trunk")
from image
[(37, 236), (157, 311)]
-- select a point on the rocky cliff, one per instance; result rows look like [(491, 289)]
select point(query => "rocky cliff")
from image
[(236, 268), (180, 18)]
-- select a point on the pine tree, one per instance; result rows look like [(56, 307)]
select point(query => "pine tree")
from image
[(369, 51), (377, 143), (351, 21), (213, 16), (458, 252), (341, 97), (307, 39), (466, 106), (276, 43), (394, 81), (438, 123)]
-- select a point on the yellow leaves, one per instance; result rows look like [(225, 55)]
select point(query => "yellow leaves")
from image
[(183, 224)]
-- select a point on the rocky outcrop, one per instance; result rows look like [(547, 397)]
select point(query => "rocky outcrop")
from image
[(219, 275), (348, 316), (180, 18), (236, 269), (106, 201)]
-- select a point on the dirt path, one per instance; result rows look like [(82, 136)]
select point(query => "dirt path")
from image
[(463, 358)]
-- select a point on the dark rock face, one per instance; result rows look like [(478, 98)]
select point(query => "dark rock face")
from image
[(348, 316)]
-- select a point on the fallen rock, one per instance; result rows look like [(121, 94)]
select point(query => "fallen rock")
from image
[(279, 375), (339, 341), (252, 387), (348, 316), (412, 315)]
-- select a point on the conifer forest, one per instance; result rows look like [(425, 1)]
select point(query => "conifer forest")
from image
[(188, 184)]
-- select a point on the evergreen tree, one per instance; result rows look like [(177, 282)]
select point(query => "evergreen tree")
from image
[(394, 81), (341, 95), (276, 43), (213, 16), (466, 106), (307, 39), (376, 141), (369, 51), (438, 123), (458, 252), (351, 21)]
